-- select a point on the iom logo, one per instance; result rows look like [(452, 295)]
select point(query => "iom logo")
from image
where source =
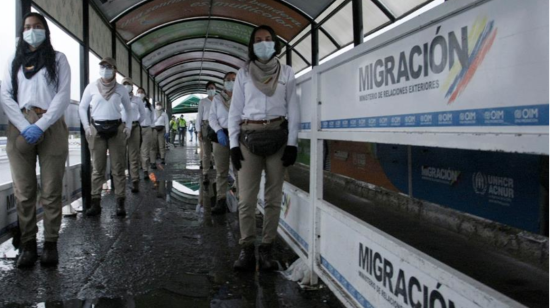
[(480, 183)]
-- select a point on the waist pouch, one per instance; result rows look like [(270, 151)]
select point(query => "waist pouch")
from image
[(107, 129), (265, 142), (213, 136), (159, 128)]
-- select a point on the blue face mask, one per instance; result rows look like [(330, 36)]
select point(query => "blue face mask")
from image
[(264, 50), (228, 86), (34, 37)]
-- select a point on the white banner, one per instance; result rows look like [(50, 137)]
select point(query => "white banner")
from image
[(482, 70), (295, 216), (379, 271)]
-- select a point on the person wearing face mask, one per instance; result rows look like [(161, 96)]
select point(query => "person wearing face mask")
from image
[(105, 131), (218, 121), (138, 115), (263, 133), (182, 130), (35, 93), (146, 132), (202, 127), (160, 128)]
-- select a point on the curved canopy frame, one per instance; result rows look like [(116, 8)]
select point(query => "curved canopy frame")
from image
[(179, 68), (204, 72), (192, 56)]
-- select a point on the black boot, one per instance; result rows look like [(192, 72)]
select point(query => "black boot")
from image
[(27, 254), (162, 161), (146, 175), (95, 209), (135, 187), (120, 211), (153, 166), (49, 254), (220, 208), (246, 260), (267, 263)]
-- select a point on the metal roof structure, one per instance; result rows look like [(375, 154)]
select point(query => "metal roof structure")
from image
[(181, 44)]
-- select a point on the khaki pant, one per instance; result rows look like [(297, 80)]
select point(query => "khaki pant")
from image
[(181, 135), (52, 150), (173, 134), (206, 148), (158, 144), (133, 152), (146, 147), (249, 186), (222, 159), (117, 155)]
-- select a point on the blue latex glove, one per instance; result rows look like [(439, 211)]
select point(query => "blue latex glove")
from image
[(32, 134), (222, 138)]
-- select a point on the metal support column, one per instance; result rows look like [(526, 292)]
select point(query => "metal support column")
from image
[(86, 168), (357, 22), (130, 65), (288, 56), (113, 41), (22, 8), (154, 90), (141, 79), (314, 44)]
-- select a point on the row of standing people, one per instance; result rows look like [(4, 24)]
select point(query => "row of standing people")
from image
[(261, 134), (35, 94), (254, 124)]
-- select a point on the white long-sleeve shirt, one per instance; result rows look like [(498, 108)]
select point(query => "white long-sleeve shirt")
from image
[(203, 112), (138, 110), (161, 119), (250, 103), (103, 110), (218, 114), (149, 117), (37, 92)]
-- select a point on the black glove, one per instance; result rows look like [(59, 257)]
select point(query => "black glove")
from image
[(236, 157), (290, 155)]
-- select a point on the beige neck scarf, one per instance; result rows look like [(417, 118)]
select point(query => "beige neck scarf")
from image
[(106, 89), (265, 76), (226, 99)]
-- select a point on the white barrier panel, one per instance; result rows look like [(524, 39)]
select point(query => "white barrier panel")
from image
[(477, 70), (304, 89), (377, 270), (295, 220)]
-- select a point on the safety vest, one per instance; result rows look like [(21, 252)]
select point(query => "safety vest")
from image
[(182, 123), (174, 125)]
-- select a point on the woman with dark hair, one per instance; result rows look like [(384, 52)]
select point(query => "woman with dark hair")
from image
[(146, 133), (106, 131), (219, 111), (35, 94), (263, 133), (202, 127)]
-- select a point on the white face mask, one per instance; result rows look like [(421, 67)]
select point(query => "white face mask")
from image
[(211, 92), (158, 107), (264, 50), (106, 73), (228, 85), (129, 88), (34, 37), (141, 95)]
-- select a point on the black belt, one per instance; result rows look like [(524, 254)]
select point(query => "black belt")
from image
[(135, 123), (144, 126), (107, 121)]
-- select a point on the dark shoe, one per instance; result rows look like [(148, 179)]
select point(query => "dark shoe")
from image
[(205, 179), (267, 263), (200, 165), (95, 209), (135, 187), (27, 254), (120, 211), (146, 175), (162, 161), (153, 166), (246, 260), (49, 256), (220, 208)]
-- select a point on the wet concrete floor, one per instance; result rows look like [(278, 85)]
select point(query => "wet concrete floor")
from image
[(163, 254)]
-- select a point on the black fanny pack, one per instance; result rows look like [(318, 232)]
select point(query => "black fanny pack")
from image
[(159, 128), (107, 129), (212, 135), (265, 142)]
